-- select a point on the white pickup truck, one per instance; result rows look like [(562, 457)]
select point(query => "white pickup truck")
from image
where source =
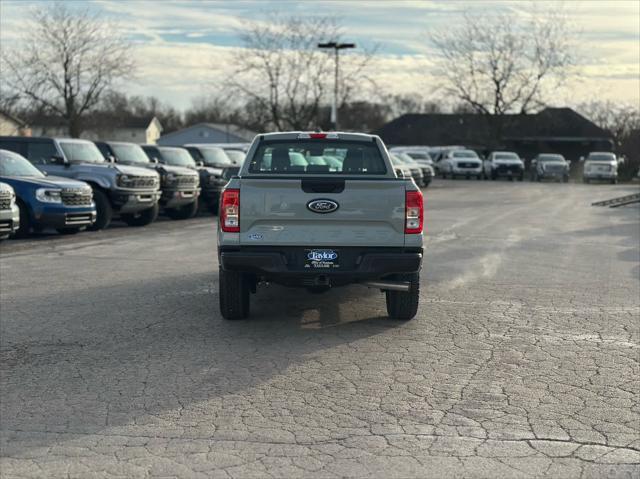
[(304, 224)]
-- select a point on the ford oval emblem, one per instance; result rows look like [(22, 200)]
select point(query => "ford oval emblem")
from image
[(322, 206)]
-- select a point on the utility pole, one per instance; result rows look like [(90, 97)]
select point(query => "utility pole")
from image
[(336, 48)]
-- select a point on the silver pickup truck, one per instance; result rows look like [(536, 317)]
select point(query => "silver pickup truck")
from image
[(320, 224)]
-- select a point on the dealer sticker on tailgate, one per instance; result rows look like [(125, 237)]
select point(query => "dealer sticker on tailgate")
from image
[(321, 258)]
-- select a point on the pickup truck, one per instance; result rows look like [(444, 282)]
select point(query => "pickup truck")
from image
[(318, 227), (179, 186)]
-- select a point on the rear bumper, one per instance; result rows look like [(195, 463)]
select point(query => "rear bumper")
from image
[(286, 265)]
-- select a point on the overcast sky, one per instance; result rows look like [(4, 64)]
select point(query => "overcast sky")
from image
[(184, 49)]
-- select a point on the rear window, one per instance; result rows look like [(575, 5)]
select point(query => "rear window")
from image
[(318, 157)]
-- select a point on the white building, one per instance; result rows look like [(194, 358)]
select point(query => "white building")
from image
[(134, 130)]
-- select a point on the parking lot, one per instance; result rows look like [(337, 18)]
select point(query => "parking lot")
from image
[(523, 360)]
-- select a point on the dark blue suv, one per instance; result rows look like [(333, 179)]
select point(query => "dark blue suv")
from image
[(46, 201)]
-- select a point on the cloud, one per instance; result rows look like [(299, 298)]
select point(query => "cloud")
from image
[(186, 49)]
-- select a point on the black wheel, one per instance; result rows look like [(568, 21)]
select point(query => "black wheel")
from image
[(565, 179), (68, 231), (184, 212), (444, 175), (104, 211), (479, 177), (25, 221), (614, 181), (401, 304), (493, 176), (234, 294), (521, 177), (142, 218)]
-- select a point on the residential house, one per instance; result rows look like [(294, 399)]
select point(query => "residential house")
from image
[(552, 130), (12, 126), (207, 133), (105, 128)]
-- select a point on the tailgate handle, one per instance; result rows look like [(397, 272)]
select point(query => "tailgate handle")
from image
[(324, 185)]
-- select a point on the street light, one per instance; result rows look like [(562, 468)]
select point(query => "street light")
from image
[(334, 106)]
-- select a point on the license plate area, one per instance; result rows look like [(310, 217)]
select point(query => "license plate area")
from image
[(321, 259)]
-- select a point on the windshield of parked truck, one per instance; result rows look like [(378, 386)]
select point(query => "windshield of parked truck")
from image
[(465, 154), (506, 156), (12, 164), (214, 156), (236, 156), (129, 153), (177, 157), (601, 157), (283, 157), (416, 155), (81, 152), (550, 158)]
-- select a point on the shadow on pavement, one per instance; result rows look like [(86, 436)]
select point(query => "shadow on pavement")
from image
[(131, 358)]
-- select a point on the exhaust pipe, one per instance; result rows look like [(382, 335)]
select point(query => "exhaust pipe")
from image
[(388, 285)]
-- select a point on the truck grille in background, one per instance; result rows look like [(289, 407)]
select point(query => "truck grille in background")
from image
[(5, 226), (184, 180), (71, 197), (514, 168), (142, 182), (553, 168), (468, 165)]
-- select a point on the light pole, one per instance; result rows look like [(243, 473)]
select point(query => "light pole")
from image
[(334, 106)]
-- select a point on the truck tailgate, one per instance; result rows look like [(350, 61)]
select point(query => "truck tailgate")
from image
[(275, 212)]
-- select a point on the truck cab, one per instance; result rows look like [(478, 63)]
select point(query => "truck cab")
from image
[(303, 224), (128, 191)]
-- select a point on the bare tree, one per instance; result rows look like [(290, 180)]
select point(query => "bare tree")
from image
[(66, 62), (618, 118), (281, 71), (501, 64)]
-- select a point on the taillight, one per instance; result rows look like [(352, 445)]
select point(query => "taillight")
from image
[(230, 211), (414, 212)]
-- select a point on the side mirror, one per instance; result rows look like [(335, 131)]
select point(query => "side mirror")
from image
[(59, 160), (399, 173), (199, 164), (154, 160), (111, 158)]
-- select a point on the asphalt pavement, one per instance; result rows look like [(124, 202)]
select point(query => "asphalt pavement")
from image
[(523, 360)]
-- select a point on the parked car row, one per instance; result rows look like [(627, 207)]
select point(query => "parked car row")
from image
[(70, 185), (459, 162)]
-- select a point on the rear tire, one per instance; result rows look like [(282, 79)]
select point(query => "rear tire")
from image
[(184, 212), (104, 211), (404, 305), (143, 218), (234, 289)]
